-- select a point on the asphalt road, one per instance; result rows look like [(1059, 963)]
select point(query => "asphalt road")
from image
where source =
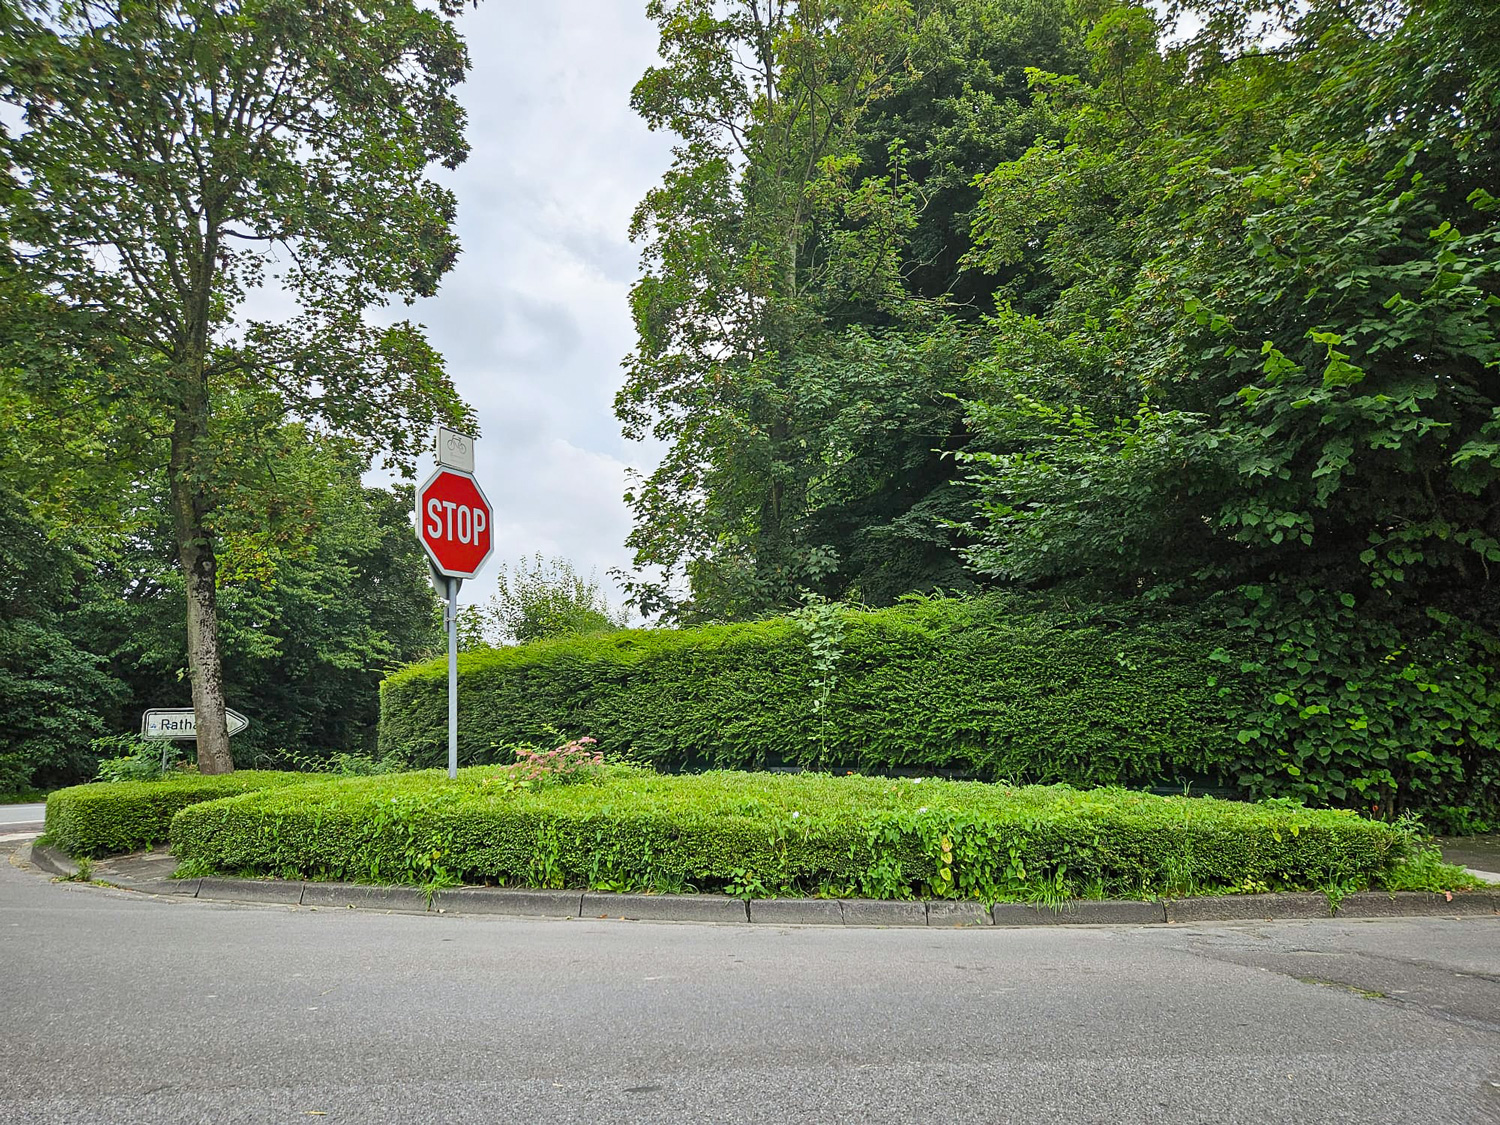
[(119, 1008), (21, 818)]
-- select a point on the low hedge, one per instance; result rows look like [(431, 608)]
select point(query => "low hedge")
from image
[(780, 834), (984, 688), (127, 816)]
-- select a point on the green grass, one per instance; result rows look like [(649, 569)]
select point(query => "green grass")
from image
[(759, 834), (1424, 870)]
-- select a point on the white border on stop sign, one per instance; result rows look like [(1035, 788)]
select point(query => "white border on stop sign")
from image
[(417, 526)]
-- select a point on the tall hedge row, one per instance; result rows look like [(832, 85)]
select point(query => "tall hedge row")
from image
[(972, 687)]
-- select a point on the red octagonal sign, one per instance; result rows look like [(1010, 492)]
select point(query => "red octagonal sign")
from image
[(454, 523)]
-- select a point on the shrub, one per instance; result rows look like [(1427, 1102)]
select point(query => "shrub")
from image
[(536, 599), (1381, 713), (571, 762), (340, 763), (128, 757), (126, 816), (989, 688), (758, 834)]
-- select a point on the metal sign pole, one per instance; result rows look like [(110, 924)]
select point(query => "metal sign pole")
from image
[(453, 677), (454, 524)]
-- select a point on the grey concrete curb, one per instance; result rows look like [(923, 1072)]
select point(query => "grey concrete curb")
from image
[(187, 887), (411, 900), (251, 890), (796, 911), (881, 912), (508, 900), (1418, 904), (952, 913), (664, 908), (1111, 912), (790, 911), (1230, 908), (49, 859)]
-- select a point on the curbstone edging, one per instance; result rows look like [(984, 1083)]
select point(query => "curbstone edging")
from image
[(51, 860), (251, 890), (187, 887), (411, 900), (538, 902), (882, 912), (1417, 904), (508, 900), (796, 911), (1239, 908), (1099, 912), (950, 912), (664, 908)]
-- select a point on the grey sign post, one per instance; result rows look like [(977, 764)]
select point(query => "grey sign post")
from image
[(449, 587), (455, 527)]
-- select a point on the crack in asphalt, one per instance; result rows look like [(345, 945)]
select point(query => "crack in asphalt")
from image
[(1453, 995)]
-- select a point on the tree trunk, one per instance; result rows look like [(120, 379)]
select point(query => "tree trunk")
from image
[(195, 551)]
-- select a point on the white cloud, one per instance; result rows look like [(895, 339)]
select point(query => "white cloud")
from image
[(533, 321)]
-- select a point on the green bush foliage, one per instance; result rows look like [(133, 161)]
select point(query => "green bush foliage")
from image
[(1350, 709), (108, 818), (627, 829), (994, 688)]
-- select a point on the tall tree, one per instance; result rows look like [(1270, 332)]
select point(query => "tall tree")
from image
[(1278, 326), (799, 336), (319, 596), (55, 694), (173, 156)]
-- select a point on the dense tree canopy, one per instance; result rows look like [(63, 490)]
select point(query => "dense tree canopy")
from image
[(1271, 370), (1275, 343), (318, 600), (804, 318), (160, 162)]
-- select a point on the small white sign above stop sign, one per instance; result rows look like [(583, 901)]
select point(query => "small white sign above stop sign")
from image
[(454, 523)]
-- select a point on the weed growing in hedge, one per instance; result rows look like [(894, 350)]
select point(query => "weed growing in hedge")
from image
[(1424, 870), (340, 763), (822, 623)]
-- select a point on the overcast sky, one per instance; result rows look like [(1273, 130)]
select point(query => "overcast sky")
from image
[(534, 319)]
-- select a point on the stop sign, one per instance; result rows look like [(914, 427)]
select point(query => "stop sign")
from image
[(454, 523)]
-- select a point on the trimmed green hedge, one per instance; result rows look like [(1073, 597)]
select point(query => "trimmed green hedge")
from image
[(765, 834), (984, 688), (127, 816)]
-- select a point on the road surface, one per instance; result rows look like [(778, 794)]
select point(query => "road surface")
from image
[(20, 822), (119, 1008)]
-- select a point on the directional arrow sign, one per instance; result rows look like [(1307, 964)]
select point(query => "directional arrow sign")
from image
[(179, 722)]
